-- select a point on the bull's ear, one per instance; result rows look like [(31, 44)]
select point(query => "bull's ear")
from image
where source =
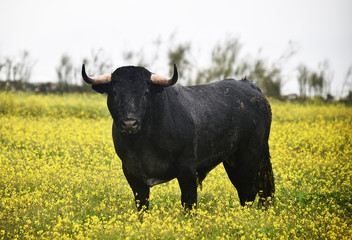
[(101, 88)]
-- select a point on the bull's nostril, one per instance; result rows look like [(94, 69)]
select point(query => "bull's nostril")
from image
[(130, 124)]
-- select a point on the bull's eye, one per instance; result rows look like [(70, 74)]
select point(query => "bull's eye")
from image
[(147, 93)]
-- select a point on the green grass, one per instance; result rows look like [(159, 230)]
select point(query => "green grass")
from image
[(52, 105)]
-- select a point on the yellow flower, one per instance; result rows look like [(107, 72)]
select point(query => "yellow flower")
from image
[(60, 178)]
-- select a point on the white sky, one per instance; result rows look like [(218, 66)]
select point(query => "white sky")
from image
[(322, 30)]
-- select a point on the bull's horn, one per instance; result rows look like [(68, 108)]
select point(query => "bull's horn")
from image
[(163, 80), (95, 80)]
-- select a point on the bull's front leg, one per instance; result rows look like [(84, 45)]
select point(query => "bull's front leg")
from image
[(140, 190), (187, 180)]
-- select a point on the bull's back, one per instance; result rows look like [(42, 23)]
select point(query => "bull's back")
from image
[(222, 113)]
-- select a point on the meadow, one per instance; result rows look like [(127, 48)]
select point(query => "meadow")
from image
[(61, 179)]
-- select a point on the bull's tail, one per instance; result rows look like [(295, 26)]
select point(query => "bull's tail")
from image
[(266, 181)]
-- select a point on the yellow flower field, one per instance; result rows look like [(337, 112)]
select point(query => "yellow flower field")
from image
[(61, 179)]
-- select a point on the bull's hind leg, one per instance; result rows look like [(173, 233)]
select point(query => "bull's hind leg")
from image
[(244, 178)]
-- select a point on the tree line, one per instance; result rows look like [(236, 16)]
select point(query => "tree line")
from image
[(224, 62)]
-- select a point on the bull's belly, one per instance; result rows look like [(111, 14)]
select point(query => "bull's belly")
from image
[(151, 170), (217, 149), (150, 182)]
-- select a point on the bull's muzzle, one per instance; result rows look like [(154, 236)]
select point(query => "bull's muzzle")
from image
[(130, 126)]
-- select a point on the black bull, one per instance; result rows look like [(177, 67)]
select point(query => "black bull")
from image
[(162, 132)]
